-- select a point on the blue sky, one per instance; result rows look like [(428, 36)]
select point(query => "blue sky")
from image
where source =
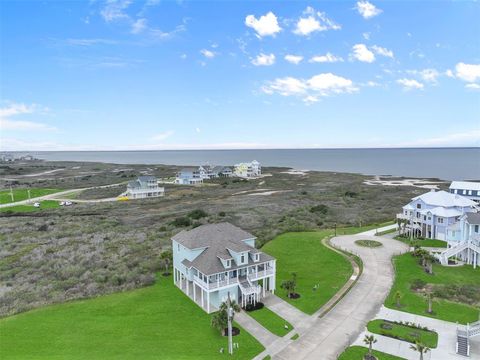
[(79, 75)]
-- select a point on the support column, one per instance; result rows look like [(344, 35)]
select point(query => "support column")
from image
[(202, 296), (208, 302), (264, 285), (194, 292), (188, 286)]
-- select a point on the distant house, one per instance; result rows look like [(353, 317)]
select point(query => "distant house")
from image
[(189, 176), (468, 189), (248, 170), (222, 171), (429, 215), (464, 240), (7, 157), (216, 260), (144, 187), (27, 157)]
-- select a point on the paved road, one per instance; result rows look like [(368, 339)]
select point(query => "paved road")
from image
[(328, 336)]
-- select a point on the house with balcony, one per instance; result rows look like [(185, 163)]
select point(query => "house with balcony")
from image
[(468, 189), (463, 240), (216, 260), (222, 171), (144, 187), (248, 170), (190, 176), (431, 214)]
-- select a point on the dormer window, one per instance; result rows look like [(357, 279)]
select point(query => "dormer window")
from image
[(228, 263), (242, 259), (419, 206), (257, 257)]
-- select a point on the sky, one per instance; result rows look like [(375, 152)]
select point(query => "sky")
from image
[(158, 74)]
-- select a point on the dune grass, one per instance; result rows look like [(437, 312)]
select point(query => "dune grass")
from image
[(357, 353), (150, 323), (22, 194), (271, 321), (314, 264), (407, 270)]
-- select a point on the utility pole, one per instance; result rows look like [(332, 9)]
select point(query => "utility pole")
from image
[(335, 229), (229, 316)]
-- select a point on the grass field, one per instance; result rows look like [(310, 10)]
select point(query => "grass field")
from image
[(407, 270), (44, 204), (423, 242), (357, 353), (405, 333), (314, 264), (150, 323), (271, 321), (22, 194)]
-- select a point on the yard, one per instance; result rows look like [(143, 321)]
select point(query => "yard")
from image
[(403, 332), (44, 204), (271, 321), (408, 270), (422, 242), (315, 265), (150, 323), (357, 353), (22, 194)]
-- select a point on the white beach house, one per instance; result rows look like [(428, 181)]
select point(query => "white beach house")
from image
[(248, 170), (429, 215), (215, 260), (190, 176), (144, 187), (469, 189)]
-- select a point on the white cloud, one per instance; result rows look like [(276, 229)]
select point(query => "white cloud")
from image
[(115, 10), (473, 86), (163, 136), (428, 75), (467, 138), (409, 84), (183, 56), (313, 21), (265, 25), (14, 109), (366, 35), (294, 59), (361, 53), (264, 60), (382, 51), (208, 53), (449, 73), (367, 9), (139, 26), (310, 89), (468, 72), (328, 57), (90, 42), (197, 130)]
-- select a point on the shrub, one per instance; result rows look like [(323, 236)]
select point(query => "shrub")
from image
[(417, 284), (181, 221), (351, 194), (197, 214), (320, 209), (251, 307), (222, 214)]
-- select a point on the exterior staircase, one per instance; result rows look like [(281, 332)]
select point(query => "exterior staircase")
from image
[(454, 250), (463, 338)]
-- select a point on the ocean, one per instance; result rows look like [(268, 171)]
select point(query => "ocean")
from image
[(442, 163)]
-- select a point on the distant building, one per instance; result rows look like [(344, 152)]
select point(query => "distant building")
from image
[(144, 187), (248, 170), (189, 176), (429, 215), (222, 171), (468, 189), (213, 261), (7, 157)]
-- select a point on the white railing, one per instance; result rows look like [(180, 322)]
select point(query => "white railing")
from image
[(260, 274), (215, 284)]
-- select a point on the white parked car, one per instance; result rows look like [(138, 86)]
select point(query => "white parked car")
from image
[(37, 204)]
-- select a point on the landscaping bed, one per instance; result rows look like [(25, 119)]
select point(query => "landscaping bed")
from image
[(409, 332), (368, 243), (358, 352), (271, 321)]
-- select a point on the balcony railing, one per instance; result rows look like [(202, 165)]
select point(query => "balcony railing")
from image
[(260, 274), (215, 284)]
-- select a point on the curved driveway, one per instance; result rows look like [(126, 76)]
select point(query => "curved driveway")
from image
[(328, 336)]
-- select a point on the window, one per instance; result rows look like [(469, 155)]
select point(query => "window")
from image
[(406, 212), (242, 259), (429, 218), (440, 220), (228, 263), (476, 228), (455, 191), (424, 217), (419, 206), (469, 192)]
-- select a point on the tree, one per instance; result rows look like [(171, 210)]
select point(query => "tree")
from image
[(290, 285), (429, 260), (429, 297), (398, 296), (369, 340), (420, 348), (220, 318), (167, 258)]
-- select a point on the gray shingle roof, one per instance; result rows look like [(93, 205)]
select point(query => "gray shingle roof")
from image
[(147, 178), (473, 218), (217, 239)]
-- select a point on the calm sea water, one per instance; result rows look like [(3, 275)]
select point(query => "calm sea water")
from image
[(443, 163)]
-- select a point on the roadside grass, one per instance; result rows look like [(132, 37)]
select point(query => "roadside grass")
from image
[(404, 332), (357, 229), (271, 321), (407, 270), (44, 205), (149, 323), (22, 194), (357, 353), (314, 264), (422, 242), (390, 231)]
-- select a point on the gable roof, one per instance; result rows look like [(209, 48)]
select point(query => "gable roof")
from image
[(473, 218), (465, 185), (443, 212), (445, 199), (147, 178)]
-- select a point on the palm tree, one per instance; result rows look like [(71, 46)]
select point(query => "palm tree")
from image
[(419, 347), (398, 296), (220, 318), (233, 305), (166, 256), (290, 285), (429, 297), (369, 340)]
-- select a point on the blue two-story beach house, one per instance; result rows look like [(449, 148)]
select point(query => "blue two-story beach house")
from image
[(216, 260)]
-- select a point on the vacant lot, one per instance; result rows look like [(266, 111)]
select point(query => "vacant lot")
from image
[(22, 194), (149, 323)]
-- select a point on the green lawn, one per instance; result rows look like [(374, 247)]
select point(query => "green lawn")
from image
[(423, 242), (356, 229), (405, 333), (44, 204), (150, 323), (357, 352), (22, 194), (271, 321), (315, 264), (407, 270)]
